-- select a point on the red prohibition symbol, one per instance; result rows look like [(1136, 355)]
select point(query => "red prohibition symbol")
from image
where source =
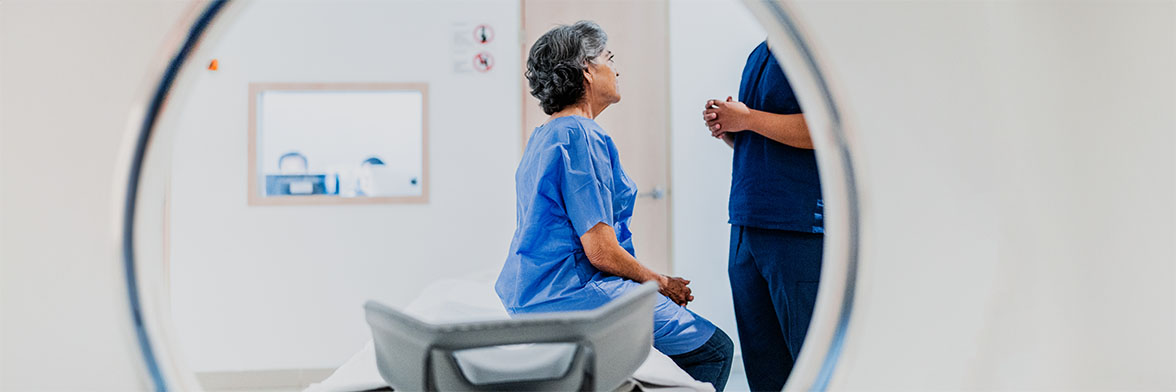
[(483, 34), (483, 62)]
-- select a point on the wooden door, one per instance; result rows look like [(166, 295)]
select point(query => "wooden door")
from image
[(638, 36)]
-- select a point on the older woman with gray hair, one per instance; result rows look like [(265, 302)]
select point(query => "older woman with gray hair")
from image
[(573, 249)]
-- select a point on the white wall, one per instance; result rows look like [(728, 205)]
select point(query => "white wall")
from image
[(703, 67), (283, 287), (70, 71), (1017, 159), (239, 263)]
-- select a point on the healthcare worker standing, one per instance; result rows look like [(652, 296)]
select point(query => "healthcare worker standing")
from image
[(776, 216), (573, 249)]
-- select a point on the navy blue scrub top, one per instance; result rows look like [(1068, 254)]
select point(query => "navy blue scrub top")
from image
[(773, 185)]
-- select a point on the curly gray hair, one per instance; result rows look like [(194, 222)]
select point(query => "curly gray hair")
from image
[(556, 63)]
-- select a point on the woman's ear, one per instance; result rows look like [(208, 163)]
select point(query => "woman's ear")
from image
[(588, 77)]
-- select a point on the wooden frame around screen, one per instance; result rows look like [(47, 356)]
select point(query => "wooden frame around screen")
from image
[(255, 196)]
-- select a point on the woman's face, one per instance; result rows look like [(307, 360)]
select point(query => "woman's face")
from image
[(603, 83)]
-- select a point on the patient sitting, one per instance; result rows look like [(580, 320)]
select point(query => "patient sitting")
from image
[(573, 249)]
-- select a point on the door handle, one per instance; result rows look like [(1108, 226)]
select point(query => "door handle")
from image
[(656, 194)]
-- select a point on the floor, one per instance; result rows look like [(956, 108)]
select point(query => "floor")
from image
[(736, 383), (738, 379)]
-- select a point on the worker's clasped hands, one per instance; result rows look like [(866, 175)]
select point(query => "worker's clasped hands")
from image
[(724, 117), (675, 289)]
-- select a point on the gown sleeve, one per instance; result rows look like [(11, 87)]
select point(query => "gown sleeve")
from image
[(583, 164)]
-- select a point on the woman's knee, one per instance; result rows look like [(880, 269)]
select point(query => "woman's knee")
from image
[(723, 343)]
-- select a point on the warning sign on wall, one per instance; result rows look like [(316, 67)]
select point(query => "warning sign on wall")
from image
[(473, 47), (483, 62), (483, 34)]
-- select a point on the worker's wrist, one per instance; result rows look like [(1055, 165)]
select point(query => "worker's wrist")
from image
[(755, 120)]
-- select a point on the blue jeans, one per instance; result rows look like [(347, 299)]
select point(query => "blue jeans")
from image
[(774, 275), (710, 362)]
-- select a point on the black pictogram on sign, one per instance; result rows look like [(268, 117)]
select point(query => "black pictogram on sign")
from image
[(483, 34), (483, 62)]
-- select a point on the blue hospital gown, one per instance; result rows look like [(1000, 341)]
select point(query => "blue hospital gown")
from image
[(569, 180)]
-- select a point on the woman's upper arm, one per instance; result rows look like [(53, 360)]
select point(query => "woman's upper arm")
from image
[(599, 242), (586, 197)]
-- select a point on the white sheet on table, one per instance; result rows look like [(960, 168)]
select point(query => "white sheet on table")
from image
[(473, 298)]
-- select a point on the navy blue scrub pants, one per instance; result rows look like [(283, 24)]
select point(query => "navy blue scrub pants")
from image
[(774, 275)]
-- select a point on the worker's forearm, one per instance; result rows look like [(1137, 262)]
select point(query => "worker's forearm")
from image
[(616, 261), (790, 129)]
